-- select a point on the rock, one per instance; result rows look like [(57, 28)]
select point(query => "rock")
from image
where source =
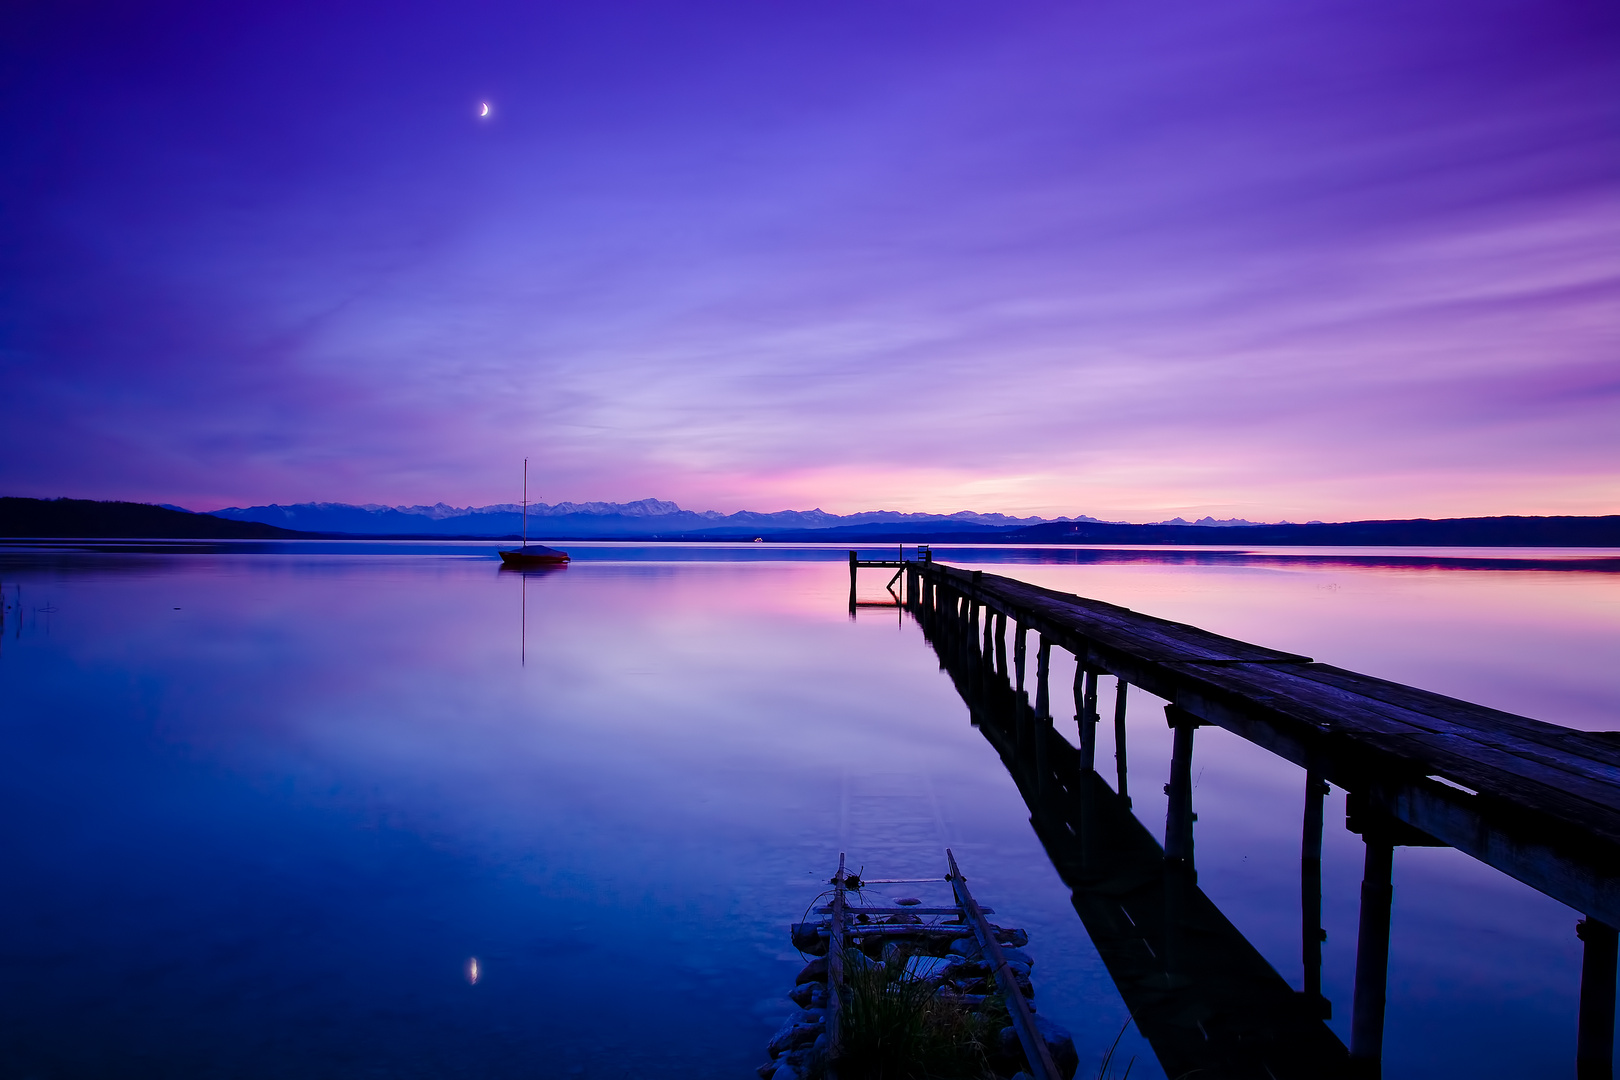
[(966, 946), (814, 971), (803, 1060), (786, 1071), (1018, 956), (966, 976), (857, 961), (903, 919), (933, 945), (807, 938), (767, 1070), (906, 901), (1025, 987), (1011, 936), (1059, 1043), (794, 1034), (818, 996), (803, 995)]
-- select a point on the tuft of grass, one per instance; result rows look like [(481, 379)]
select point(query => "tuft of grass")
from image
[(1105, 1070), (895, 1026)]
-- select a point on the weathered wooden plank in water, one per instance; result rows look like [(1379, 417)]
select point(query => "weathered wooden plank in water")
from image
[(1035, 1051), (855, 930), (856, 911), (835, 972)]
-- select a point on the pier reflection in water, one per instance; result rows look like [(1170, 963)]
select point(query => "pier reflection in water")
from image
[(1204, 997)]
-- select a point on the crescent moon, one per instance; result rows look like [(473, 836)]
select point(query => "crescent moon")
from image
[(484, 109)]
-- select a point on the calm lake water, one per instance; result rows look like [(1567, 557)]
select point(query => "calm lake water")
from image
[(262, 804)]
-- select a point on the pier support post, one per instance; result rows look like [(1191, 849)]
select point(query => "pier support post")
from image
[(1043, 671), (1594, 1042), (1001, 643), (852, 560), (1019, 639), (1180, 875), (1372, 958), (1179, 816), (1310, 895), (1119, 739), (1085, 690)]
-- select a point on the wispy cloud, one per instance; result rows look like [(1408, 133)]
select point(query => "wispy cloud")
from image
[(1260, 260)]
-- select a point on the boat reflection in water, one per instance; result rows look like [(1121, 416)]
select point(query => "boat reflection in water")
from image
[(525, 571)]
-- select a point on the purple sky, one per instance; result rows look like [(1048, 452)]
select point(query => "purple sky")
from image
[(1271, 259)]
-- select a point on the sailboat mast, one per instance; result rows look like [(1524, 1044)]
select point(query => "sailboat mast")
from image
[(525, 502)]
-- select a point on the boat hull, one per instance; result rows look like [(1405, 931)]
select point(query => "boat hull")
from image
[(533, 556)]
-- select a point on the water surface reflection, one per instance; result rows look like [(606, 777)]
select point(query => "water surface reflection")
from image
[(262, 804)]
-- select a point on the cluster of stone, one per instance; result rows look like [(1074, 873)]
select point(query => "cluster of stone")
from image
[(965, 978), (802, 1038)]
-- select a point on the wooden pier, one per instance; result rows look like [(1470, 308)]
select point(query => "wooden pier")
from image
[(1537, 801), (897, 564)]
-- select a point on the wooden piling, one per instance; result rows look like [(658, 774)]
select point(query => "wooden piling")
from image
[(1594, 1041), (1372, 958), (1043, 669), (1084, 720), (1178, 823), (1019, 637), (835, 971), (1310, 895), (1120, 695)]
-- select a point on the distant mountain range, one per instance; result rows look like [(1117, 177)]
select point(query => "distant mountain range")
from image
[(596, 520), (653, 520)]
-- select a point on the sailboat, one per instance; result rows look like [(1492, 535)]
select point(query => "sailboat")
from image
[(531, 556)]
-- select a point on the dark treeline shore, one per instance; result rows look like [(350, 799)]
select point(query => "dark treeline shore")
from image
[(89, 519), (1416, 532), (86, 518)]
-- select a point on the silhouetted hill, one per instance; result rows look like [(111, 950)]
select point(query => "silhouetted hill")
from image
[(1417, 532), (89, 518)]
